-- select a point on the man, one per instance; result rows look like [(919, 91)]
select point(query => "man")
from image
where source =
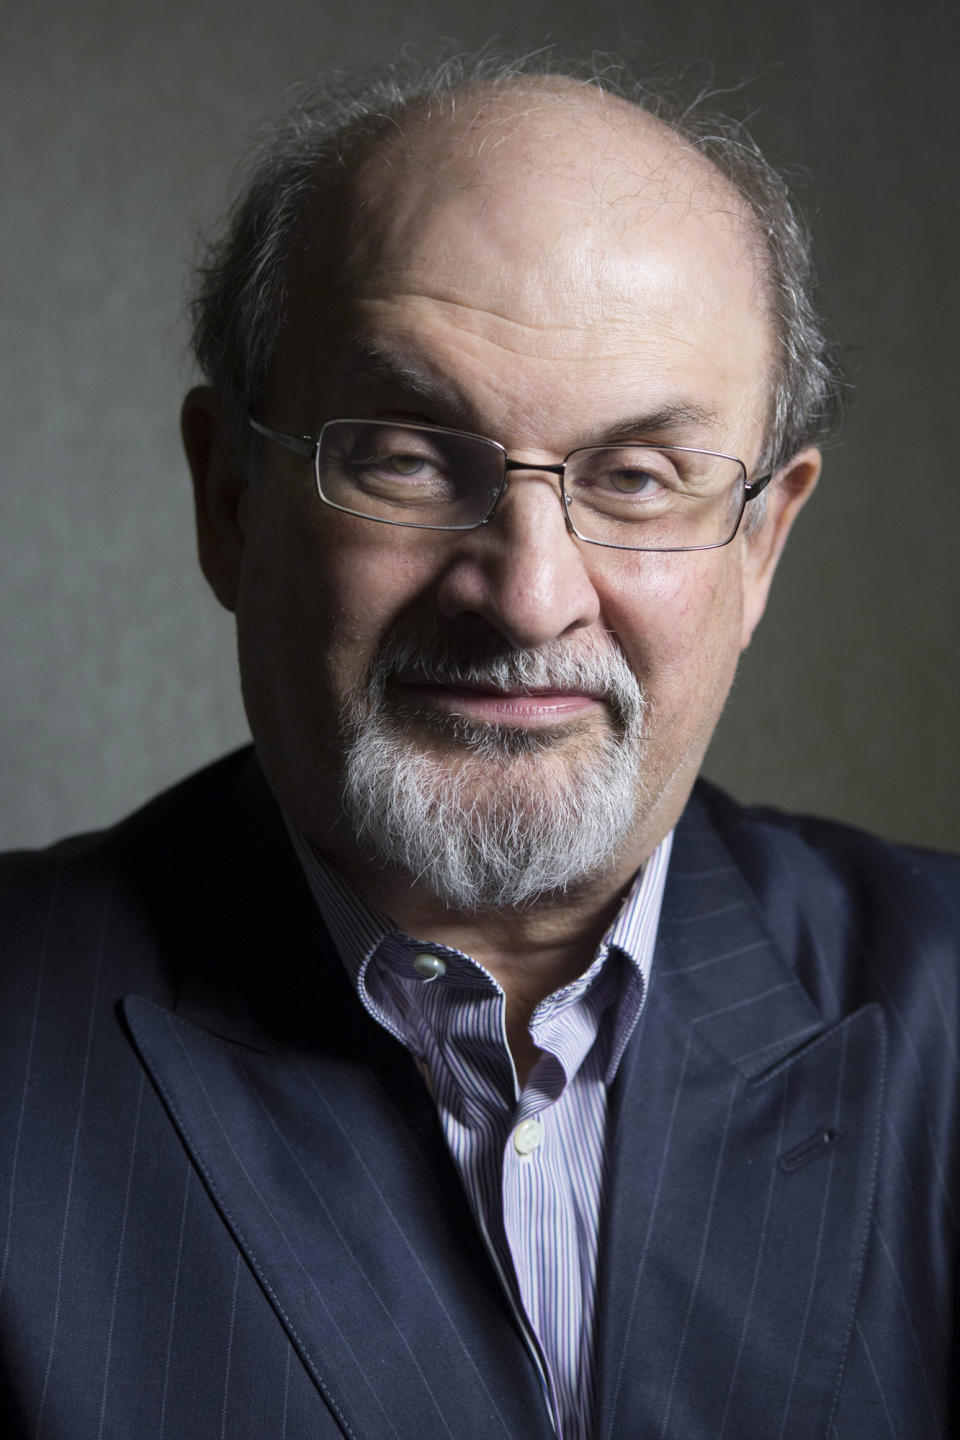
[(468, 1077)]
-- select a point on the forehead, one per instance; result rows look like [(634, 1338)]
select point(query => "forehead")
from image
[(550, 227)]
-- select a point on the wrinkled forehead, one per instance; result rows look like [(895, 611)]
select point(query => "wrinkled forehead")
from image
[(554, 208)]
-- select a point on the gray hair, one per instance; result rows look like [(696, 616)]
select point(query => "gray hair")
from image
[(240, 287)]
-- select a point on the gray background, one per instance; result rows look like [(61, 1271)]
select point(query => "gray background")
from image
[(120, 126)]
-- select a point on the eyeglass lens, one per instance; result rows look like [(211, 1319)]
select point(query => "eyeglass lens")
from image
[(630, 496)]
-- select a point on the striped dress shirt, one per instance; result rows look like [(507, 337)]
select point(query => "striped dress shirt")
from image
[(531, 1159)]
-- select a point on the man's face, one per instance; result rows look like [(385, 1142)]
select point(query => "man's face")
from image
[(552, 277)]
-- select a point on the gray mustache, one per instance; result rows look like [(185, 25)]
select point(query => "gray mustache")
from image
[(454, 659), (471, 656)]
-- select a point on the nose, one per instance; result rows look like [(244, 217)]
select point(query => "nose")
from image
[(523, 572)]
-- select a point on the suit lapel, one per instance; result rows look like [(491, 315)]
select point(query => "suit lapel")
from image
[(319, 1145), (743, 1161), (733, 1236)]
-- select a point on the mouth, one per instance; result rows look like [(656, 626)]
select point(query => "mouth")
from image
[(522, 707)]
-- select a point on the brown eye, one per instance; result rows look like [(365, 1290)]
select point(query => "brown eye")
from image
[(406, 464), (631, 482)]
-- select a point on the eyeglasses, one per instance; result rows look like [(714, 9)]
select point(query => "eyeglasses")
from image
[(627, 497)]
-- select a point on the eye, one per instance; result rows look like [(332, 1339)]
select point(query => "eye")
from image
[(633, 482), (397, 465), (408, 465), (623, 472)]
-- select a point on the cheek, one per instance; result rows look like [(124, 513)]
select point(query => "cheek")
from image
[(371, 576), (679, 620), (318, 592)]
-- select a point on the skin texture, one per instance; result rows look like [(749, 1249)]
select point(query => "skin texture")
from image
[(563, 273)]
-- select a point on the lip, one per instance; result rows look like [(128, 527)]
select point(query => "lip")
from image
[(528, 708)]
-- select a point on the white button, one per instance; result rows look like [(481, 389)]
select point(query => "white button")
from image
[(429, 967), (527, 1137)]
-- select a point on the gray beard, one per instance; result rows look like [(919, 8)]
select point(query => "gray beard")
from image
[(500, 816)]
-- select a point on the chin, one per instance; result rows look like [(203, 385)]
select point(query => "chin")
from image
[(495, 817)]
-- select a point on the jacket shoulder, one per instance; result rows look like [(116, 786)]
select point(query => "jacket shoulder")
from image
[(63, 902), (170, 807), (816, 833), (863, 917)]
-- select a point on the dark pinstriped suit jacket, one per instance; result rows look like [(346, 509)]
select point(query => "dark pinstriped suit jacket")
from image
[(226, 1209)]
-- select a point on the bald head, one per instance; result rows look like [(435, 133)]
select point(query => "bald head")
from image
[(556, 128), (553, 161), (545, 226), (462, 118)]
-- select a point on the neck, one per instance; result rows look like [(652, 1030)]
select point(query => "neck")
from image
[(530, 953)]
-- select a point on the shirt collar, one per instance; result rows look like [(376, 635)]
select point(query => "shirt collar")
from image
[(359, 930)]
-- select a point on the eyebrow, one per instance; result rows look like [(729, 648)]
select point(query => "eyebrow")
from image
[(666, 419), (371, 360)]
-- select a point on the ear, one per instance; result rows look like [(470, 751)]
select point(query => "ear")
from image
[(219, 487), (786, 495)]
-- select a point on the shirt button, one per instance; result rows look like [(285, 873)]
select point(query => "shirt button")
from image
[(527, 1137), (429, 967)]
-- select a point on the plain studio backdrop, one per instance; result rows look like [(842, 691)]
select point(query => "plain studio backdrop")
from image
[(121, 126)]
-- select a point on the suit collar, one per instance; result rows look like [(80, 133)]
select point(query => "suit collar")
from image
[(718, 959), (730, 1272), (320, 1146)]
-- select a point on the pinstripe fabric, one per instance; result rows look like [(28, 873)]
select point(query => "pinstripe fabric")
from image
[(538, 1212), (119, 1284), (186, 1076)]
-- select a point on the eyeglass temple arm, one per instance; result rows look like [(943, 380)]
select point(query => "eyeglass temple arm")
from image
[(299, 444), (753, 488)]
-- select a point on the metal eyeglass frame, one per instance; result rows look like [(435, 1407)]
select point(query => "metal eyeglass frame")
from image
[(309, 448)]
